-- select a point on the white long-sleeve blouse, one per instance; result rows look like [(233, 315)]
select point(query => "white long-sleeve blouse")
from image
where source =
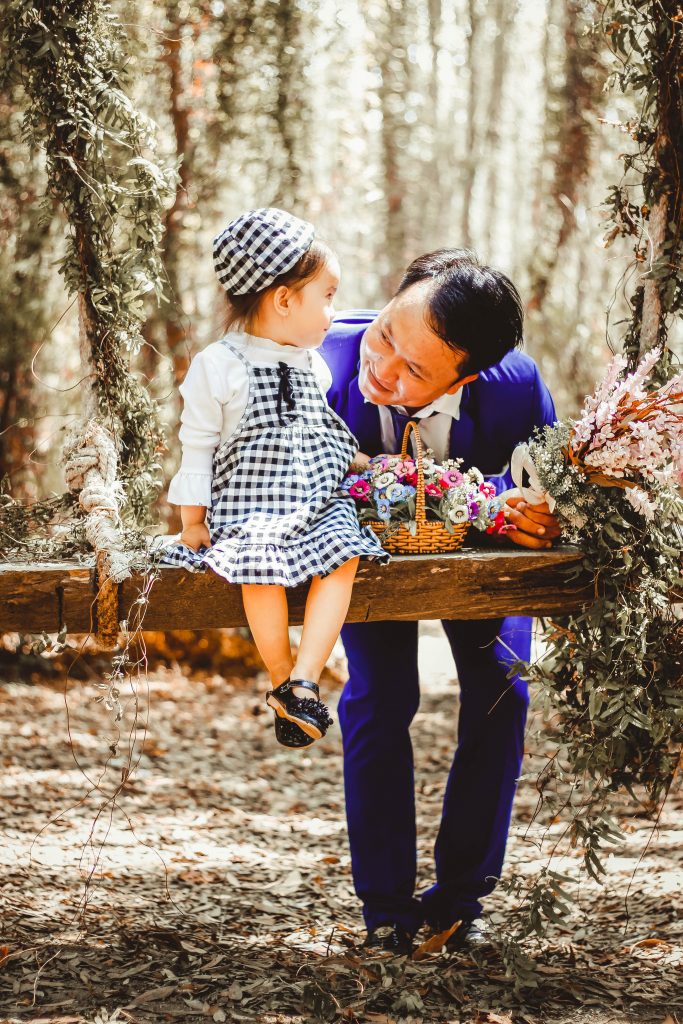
[(215, 393)]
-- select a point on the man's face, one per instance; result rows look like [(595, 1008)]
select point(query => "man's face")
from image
[(402, 361)]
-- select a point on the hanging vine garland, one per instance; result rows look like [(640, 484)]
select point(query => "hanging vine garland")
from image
[(646, 40), (68, 58)]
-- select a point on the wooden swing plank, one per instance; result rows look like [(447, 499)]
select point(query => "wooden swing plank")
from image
[(475, 583), (43, 596)]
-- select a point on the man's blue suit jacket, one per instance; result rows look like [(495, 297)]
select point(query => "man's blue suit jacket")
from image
[(497, 411)]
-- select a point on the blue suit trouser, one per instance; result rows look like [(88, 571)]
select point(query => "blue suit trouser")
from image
[(376, 708)]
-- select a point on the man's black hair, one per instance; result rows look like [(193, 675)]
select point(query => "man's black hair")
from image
[(474, 309)]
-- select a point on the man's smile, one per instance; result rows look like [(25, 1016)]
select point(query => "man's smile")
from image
[(376, 382)]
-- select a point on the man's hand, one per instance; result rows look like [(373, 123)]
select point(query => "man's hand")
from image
[(536, 526), (196, 535)]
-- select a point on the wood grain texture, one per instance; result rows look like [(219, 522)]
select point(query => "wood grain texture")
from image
[(468, 584), (37, 597)]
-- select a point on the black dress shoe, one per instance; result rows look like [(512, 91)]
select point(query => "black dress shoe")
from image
[(390, 938), (472, 934), (309, 713), (289, 734)]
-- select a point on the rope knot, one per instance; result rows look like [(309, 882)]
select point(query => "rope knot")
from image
[(90, 462)]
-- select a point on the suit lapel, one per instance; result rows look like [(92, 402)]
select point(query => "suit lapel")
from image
[(462, 431), (363, 419)]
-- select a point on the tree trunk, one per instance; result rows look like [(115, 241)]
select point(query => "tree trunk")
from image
[(573, 132), (394, 136), (504, 16), (666, 212), (292, 114), (472, 141)]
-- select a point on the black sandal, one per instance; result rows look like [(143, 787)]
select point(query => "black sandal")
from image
[(290, 735), (309, 713)]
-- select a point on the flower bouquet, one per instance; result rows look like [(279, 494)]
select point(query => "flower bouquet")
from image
[(629, 436), (417, 506)]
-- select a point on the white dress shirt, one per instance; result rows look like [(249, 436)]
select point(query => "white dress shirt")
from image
[(215, 393), (435, 424)]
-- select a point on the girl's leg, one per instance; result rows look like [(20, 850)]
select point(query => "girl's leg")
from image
[(326, 607), (266, 609)]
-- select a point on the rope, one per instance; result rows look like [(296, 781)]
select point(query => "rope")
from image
[(90, 462)]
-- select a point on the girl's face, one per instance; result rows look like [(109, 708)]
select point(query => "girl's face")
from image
[(311, 308)]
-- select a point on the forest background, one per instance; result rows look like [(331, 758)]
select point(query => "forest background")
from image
[(396, 127)]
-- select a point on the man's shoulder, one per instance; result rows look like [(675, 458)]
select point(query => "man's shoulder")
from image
[(514, 369), (342, 342), (347, 327)]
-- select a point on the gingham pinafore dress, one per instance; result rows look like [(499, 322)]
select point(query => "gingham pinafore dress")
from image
[(278, 515)]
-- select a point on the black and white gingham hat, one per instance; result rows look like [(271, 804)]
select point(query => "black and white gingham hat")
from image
[(257, 247)]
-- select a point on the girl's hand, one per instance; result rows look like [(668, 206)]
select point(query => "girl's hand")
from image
[(360, 463), (196, 536)]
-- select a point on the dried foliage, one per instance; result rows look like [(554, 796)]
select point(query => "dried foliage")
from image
[(224, 892)]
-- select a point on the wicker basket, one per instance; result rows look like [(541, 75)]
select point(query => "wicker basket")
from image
[(431, 537)]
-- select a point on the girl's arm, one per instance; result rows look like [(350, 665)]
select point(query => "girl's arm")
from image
[(195, 531), (214, 393)]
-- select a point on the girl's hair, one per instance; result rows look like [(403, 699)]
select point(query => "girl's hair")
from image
[(243, 308)]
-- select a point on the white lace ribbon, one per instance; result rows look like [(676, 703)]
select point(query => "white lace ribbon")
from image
[(533, 492)]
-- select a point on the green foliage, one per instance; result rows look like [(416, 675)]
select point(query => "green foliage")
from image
[(613, 671), (610, 677), (68, 58)]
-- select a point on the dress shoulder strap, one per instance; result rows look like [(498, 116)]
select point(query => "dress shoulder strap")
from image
[(225, 340)]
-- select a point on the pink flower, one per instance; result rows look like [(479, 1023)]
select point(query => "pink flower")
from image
[(360, 489), (488, 490), (433, 490), (451, 478)]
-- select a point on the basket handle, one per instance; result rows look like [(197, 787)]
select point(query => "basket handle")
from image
[(420, 513)]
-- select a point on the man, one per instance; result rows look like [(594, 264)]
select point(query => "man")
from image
[(442, 352)]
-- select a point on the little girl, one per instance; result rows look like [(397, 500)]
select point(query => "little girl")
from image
[(263, 451)]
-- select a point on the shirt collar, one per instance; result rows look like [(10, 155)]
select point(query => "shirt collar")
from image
[(449, 404)]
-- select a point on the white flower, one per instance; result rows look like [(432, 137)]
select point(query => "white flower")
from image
[(459, 514), (393, 490), (384, 479), (641, 502)]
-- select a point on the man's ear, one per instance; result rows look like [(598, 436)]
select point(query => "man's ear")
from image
[(461, 383), (281, 300)]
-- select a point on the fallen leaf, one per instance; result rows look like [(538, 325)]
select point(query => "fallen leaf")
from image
[(650, 942), (435, 943), (153, 993)]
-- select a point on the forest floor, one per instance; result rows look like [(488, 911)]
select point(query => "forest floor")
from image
[(210, 892)]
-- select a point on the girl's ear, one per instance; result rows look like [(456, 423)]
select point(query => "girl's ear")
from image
[(282, 300)]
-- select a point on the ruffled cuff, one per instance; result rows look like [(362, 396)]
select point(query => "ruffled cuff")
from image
[(190, 489)]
